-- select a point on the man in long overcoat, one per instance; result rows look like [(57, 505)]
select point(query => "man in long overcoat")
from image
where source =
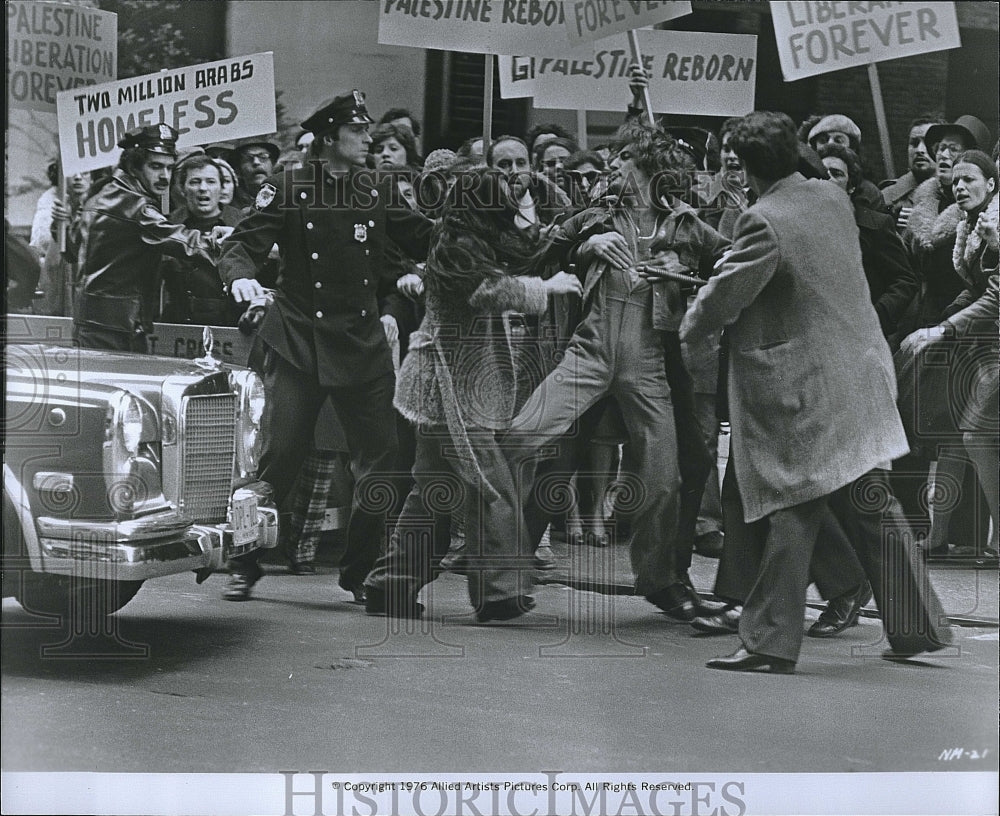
[(812, 396)]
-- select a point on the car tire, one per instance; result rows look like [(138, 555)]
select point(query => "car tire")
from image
[(79, 598), (61, 595)]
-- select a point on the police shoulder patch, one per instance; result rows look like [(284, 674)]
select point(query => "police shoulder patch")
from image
[(265, 195)]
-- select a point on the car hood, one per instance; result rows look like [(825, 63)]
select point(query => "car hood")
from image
[(143, 375)]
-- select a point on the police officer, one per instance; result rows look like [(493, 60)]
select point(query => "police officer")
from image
[(120, 235), (323, 336)]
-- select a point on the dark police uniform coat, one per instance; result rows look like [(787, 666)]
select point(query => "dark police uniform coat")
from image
[(331, 235)]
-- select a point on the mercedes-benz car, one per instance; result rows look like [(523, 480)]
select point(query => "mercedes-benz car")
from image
[(121, 467)]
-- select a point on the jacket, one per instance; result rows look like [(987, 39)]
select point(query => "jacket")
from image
[(812, 389), (194, 290), (698, 247), (460, 359), (898, 193), (891, 280), (119, 237), (930, 238), (331, 235)]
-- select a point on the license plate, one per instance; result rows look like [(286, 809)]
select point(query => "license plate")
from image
[(243, 518)]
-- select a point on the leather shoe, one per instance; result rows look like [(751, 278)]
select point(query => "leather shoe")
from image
[(391, 604), (674, 601), (841, 613), (302, 568), (506, 609), (726, 622), (702, 608), (742, 660), (357, 590), (239, 586), (240, 583)]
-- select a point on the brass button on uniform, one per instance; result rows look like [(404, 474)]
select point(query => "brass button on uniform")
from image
[(315, 256), (364, 313), (318, 285), (319, 314), (309, 224)]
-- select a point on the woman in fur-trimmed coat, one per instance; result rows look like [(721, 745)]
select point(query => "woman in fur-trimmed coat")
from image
[(967, 336), (930, 238), (457, 386)]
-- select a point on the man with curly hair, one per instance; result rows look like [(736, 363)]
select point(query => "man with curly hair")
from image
[(638, 248)]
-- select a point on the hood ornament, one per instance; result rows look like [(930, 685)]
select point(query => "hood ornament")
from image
[(209, 361)]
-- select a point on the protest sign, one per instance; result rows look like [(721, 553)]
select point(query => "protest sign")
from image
[(815, 38), (478, 26), (53, 47), (596, 19), (210, 102), (691, 72)]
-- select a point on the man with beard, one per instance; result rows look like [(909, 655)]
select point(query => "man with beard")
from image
[(120, 235), (254, 160), (898, 193)]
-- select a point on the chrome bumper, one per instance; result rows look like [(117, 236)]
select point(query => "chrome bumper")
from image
[(150, 547)]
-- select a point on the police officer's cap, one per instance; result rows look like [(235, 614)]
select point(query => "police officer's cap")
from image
[(159, 138), (346, 109)]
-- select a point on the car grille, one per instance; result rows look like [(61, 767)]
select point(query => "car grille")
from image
[(207, 456)]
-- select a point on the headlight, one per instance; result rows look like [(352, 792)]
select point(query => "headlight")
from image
[(248, 421), (122, 435)]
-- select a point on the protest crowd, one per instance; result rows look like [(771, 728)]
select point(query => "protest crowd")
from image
[(484, 331)]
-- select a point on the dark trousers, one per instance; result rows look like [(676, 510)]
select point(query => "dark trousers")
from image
[(443, 484), (694, 461), (771, 623), (366, 414), (834, 566)]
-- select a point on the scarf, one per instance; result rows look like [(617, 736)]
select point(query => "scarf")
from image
[(931, 227), (968, 242)]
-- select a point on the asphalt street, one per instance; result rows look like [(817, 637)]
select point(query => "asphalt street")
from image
[(299, 678)]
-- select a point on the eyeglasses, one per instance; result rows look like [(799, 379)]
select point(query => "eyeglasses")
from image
[(950, 147), (553, 163), (257, 156)]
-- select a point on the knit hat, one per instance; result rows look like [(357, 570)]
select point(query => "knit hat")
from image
[(838, 123), (440, 159)]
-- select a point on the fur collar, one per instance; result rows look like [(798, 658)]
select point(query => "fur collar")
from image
[(968, 242), (929, 228)]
